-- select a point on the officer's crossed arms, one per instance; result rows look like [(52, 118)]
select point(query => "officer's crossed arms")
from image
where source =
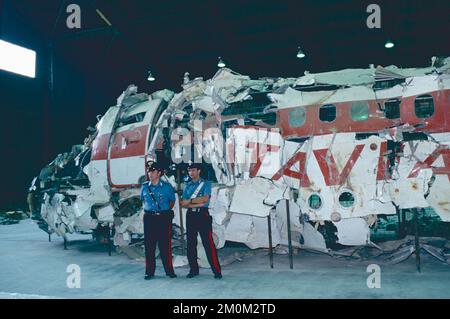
[(194, 174)]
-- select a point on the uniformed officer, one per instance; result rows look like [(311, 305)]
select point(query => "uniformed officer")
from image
[(158, 198), (196, 196)]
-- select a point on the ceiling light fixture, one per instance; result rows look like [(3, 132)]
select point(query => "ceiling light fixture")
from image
[(300, 53), (150, 77), (221, 63), (389, 44)]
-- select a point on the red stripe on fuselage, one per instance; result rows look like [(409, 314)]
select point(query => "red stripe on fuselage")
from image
[(329, 169), (125, 144), (428, 162), (382, 171), (437, 123), (100, 147), (129, 143)]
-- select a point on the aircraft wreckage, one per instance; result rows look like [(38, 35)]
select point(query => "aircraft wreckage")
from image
[(338, 149)]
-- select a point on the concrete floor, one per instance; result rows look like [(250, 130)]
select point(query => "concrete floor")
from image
[(31, 267)]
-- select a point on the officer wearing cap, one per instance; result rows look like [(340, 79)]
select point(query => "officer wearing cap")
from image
[(196, 196), (158, 198)]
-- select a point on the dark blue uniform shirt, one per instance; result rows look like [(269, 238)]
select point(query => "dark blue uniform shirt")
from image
[(191, 187), (163, 192)]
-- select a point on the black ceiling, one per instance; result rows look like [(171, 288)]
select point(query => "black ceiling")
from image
[(258, 38)]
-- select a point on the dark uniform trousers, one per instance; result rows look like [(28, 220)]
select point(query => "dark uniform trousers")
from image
[(200, 222), (158, 228)]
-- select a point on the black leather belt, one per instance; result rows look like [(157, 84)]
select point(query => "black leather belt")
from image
[(155, 212), (199, 209)]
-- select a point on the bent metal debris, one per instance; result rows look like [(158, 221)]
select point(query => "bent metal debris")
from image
[(343, 148)]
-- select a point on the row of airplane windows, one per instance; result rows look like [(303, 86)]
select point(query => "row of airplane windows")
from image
[(359, 111)]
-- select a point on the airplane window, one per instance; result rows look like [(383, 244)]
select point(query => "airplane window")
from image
[(255, 104), (392, 109), (297, 117), (314, 201), (346, 199), (327, 113), (359, 111), (268, 118), (135, 118), (424, 106)]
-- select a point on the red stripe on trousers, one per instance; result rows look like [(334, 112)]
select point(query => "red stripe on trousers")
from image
[(214, 257), (170, 247)]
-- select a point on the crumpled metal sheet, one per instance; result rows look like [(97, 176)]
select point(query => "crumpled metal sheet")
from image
[(353, 77), (204, 103), (300, 98), (61, 216), (263, 193), (193, 89), (121, 239), (329, 165), (253, 185), (312, 239), (251, 230), (297, 228), (133, 224), (439, 197), (415, 86), (106, 214), (227, 82), (439, 194), (250, 145), (165, 95), (353, 231), (219, 204)]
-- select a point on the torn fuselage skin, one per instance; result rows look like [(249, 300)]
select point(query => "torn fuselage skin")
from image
[(342, 147)]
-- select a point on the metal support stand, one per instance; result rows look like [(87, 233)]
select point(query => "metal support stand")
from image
[(403, 225), (416, 237), (65, 242), (288, 217), (414, 247), (399, 225), (109, 240), (269, 223), (49, 237)]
